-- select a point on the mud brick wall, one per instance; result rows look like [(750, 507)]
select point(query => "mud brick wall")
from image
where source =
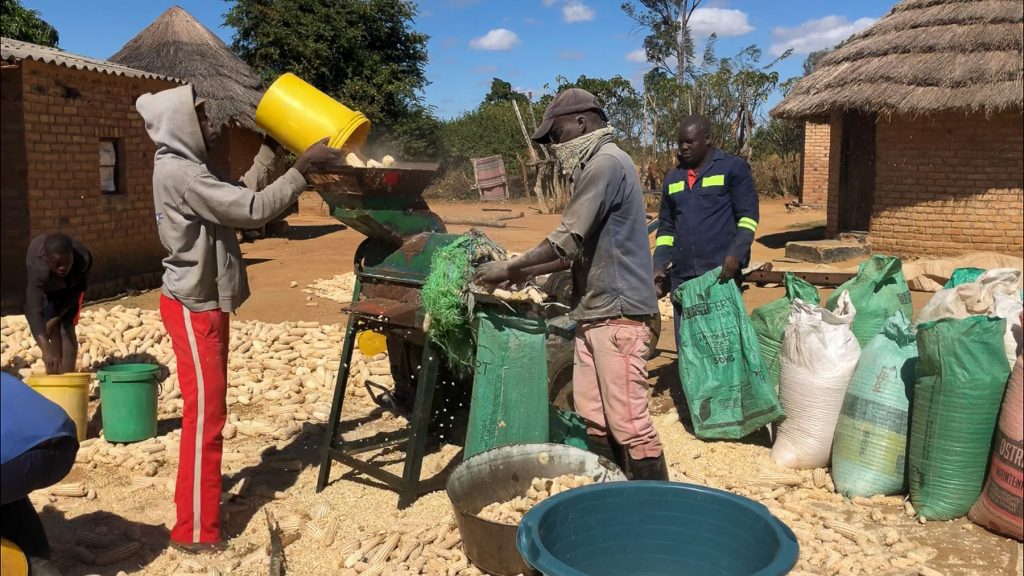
[(13, 201), (64, 114), (949, 184), (817, 144)]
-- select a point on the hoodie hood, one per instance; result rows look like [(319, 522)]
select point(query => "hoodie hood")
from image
[(172, 123)]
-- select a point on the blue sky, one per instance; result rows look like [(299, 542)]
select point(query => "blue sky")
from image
[(527, 42)]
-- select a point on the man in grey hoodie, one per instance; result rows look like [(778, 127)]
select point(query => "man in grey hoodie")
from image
[(204, 281)]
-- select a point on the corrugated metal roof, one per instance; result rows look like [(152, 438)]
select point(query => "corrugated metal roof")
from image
[(15, 50)]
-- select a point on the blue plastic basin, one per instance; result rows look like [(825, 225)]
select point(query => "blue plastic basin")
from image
[(645, 528)]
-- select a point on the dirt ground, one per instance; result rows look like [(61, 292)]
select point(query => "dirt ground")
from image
[(319, 247)]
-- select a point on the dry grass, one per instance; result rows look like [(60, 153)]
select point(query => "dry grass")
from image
[(179, 46)]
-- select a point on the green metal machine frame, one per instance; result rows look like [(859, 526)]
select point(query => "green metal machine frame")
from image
[(391, 266)]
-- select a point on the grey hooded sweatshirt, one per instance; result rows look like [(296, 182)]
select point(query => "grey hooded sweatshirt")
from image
[(197, 213)]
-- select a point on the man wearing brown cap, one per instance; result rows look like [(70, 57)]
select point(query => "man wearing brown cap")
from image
[(603, 238)]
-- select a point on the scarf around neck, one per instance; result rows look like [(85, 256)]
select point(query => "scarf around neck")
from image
[(572, 153)]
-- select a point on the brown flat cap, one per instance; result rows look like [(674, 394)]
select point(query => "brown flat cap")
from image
[(569, 101)]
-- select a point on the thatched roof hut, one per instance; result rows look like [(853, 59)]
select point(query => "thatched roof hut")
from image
[(179, 46), (924, 57)]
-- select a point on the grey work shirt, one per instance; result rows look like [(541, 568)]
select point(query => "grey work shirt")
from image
[(604, 232)]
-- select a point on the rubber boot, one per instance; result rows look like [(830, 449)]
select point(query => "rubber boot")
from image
[(648, 468)]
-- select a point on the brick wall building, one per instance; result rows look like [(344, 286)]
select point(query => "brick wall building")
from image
[(949, 184), (941, 185), (814, 191), (922, 141), (77, 160)]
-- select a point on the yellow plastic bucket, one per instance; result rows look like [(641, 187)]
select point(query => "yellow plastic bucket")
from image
[(298, 115), (12, 559), (70, 391)]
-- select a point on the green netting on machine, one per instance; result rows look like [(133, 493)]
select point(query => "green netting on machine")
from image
[(445, 296)]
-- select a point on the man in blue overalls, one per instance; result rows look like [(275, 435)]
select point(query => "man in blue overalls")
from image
[(708, 213)]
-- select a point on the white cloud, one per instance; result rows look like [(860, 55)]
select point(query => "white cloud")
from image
[(722, 21), (497, 39), (577, 11), (639, 56), (550, 3), (816, 34)]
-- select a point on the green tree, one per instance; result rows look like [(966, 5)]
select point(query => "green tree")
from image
[(501, 91), (20, 23), (668, 44), (365, 54), (488, 130), (728, 91), (811, 62), (779, 137), (620, 100)]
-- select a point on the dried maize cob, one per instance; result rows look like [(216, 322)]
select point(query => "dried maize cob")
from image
[(364, 547), (94, 539), (321, 510), (71, 490), (191, 565), (118, 553), (290, 523), (851, 532), (782, 478), (82, 555), (820, 476), (384, 550)]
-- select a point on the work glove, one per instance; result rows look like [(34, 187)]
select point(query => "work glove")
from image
[(730, 269), (319, 157)]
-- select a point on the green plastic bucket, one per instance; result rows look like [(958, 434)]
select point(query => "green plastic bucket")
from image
[(128, 395)]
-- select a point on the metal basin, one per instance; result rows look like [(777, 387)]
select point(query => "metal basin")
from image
[(501, 474)]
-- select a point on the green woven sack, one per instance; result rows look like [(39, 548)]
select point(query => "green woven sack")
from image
[(720, 367), (870, 448), (961, 377), (963, 276), (878, 291), (769, 321), (567, 428), (510, 386)]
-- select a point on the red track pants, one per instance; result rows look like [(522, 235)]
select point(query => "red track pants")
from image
[(200, 341)]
